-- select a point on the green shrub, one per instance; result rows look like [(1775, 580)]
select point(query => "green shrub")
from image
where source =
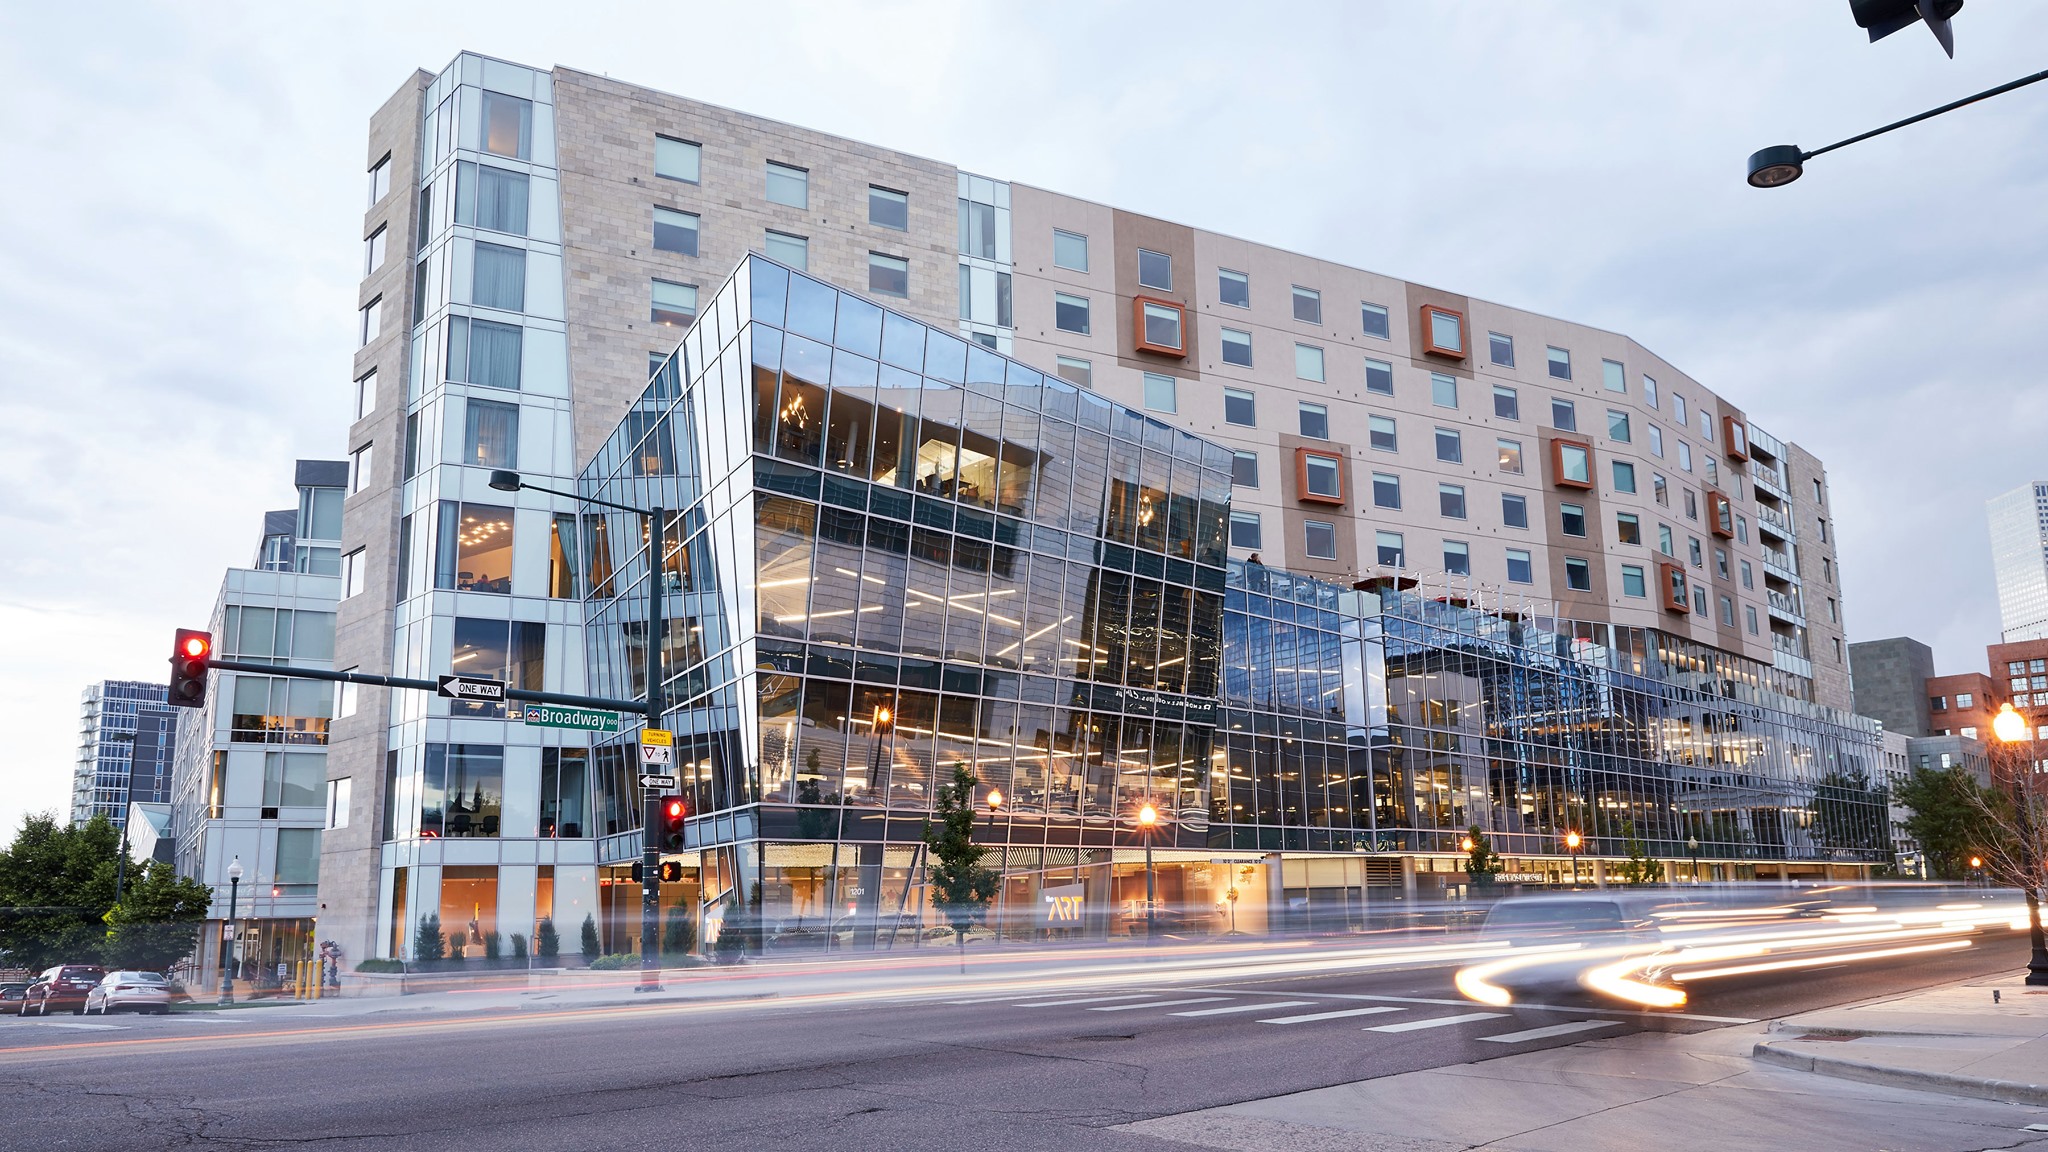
[(519, 947), (494, 946), (381, 965), (427, 942), (615, 962), (591, 948), (679, 935), (547, 943)]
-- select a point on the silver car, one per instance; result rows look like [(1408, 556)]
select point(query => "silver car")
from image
[(130, 991)]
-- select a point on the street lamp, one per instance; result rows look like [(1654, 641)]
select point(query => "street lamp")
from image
[(1148, 819), (506, 480), (1781, 164), (1692, 845), (1572, 841), (227, 969), (2011, 728)]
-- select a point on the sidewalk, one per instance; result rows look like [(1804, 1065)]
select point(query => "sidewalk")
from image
[(1954, 1039)]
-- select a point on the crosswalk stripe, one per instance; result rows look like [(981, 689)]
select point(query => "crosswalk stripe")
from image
[(1084, 1000), (1243, 1008), (1552, 1030), (1313, 1016), (1000, 999), (1159, 1004), (1438, 1022)]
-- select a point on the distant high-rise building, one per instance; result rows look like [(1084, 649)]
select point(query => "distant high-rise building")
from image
[(2019, 560), (124, 735)]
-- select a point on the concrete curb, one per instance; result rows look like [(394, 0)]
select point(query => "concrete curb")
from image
[(2003, 1091)]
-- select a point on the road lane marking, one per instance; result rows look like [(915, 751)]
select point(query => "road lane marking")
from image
[(1160, 1004), (1313, 1016), (1000, 999), (1243, 1008), (1084, 1000), (1565, 1029), (1579, 1009), (91, 1027), (1437, 1022)]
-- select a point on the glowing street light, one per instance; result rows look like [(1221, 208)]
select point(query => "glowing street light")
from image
[(2012, 729), (1572, 841), (1148, 819)]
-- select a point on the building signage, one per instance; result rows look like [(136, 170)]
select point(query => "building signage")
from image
[(560, 716), (470, 688), (1063, 905), (1144, 702)]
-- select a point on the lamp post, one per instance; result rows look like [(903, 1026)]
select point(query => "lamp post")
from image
[(2012, 729), (1572, 841), (1692, 845), (1781, 164), (227, 964), (506, 480), (1148, 819), (884, 726)]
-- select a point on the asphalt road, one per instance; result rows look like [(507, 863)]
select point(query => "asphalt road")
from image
[(1033, 1071)]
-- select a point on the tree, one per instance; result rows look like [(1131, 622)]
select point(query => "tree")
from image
[(679, 935), (961, 886), (547, 943), (156, 924), (1483, 865), (56, 887), (427, 942), (591, 948), (1950, 818), (1639, 867)]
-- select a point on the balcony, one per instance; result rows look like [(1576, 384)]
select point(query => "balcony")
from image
[(1780, 564), (1770, 479), (1775, 521), (1787, 608)]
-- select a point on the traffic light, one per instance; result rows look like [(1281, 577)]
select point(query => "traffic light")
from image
[(639, 875), (1881, 18), (190, 654), (671, 871), (673, 810)]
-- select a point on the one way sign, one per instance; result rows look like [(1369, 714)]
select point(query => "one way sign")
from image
[(470, 688)]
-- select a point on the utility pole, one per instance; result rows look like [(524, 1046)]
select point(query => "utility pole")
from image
[(650, 798)]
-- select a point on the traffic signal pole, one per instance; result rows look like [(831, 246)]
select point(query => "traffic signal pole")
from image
[(601, 703), (650, 818)]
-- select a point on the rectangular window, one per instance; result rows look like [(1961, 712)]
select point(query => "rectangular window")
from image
[(359, 469), (508, 126), (1160, 331), (1445, 334), (1308, 363), (1649, 392), (675, 231), (1564, 415), (1963, 699), (1835, 617), (562, 549), (1628, 528), (1695, 553), (1617, 426), (1155, 270), (1678, 411), (1160, 393), (1578, 574), (492, 439), (1443, 390), (1727, 612), (1319, 538), (1075, 370), (380, 180), (1450, 447), (1514, 510), (1381, 433), (1244, 469), (1239, 408), (352, 573), (491, 198), (784, 248), (1632, 582), (373, 251), (1612, 376), (673, 304), (1315, 420), (1069, 251), (1508, 456), (500, 278), (1322, 477), (372, 321), (1457, 558), (1308, 305), (888, 208), (1685, 455), (1721, 563), (1560, 364), (1233, 288), (1572, 519), (473, 551), (1692, 505), (1507, 403), (1656, 441), (1386, 490), (1520, 570), (338, 792), (1379, 377), (1664, 540), (488, 354), (1389, 549), (1237, 347), (1624, 476), (1450, 501), (1706, 426), (788, 185), (677, 159), (1070, 313), (1244, 530), (1699, 602), (1574, 464), (1375, 321), (1749, 618), (1748, 574), (1660, 490), (1502, 349), (888, 275), (366, 394)]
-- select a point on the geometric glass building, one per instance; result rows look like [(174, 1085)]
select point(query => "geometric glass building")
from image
[(2019, 560), (113, 767)]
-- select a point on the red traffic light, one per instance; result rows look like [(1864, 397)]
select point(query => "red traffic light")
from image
[(673, 810), (195, 646), (191, 656)]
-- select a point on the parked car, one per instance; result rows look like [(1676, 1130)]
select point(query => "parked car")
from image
[(11, 995), (62, 988), (136, 991)]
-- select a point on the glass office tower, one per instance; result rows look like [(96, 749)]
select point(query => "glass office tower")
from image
[(887, 552)]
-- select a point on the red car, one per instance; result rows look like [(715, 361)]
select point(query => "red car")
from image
[(62, 988)]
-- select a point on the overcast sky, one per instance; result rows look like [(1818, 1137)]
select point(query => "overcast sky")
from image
[(185, 187)]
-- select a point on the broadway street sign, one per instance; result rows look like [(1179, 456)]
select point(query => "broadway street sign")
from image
[(563, 716)]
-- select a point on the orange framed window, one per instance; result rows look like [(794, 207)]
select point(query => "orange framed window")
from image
[(1161, 326), (1734, 438), (1671, 590), (1318, 476), (1723, 520), (1443, 332), (1571, 463)]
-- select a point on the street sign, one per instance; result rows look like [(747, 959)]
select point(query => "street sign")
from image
[(655, 780), (656, 756), (657, 736), (470, 688), (559, 716)]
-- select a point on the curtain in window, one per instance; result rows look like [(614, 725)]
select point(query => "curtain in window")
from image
[(529, 649), (562, 581), (501, 200), (493, 435), (500, 278), (493, 354), (445, 547)]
